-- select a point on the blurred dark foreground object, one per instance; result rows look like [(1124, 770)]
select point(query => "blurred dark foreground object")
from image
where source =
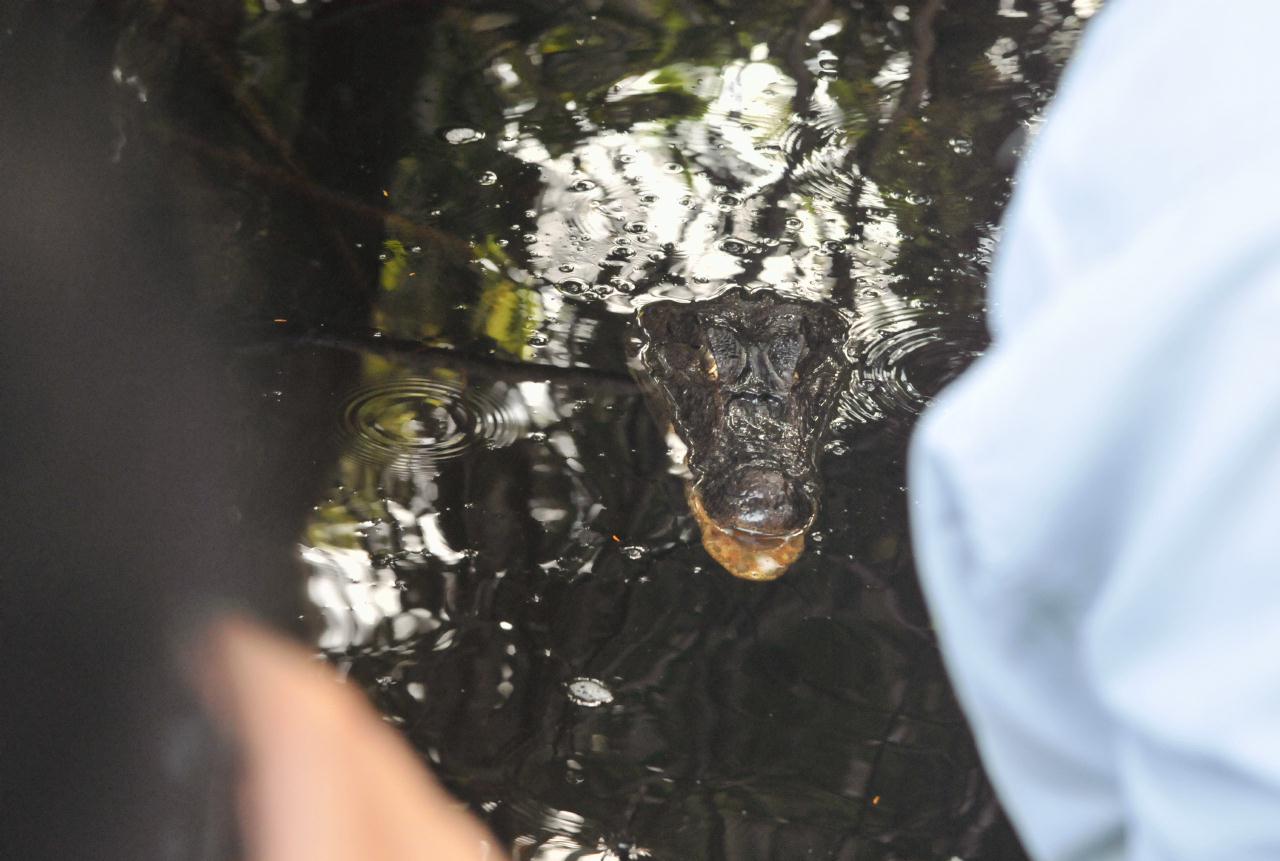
[(323, 778), (138, 498)]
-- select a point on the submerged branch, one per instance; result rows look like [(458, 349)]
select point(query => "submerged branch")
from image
[(416, 352)]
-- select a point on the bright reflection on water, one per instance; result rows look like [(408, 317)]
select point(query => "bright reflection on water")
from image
[(506, 560)]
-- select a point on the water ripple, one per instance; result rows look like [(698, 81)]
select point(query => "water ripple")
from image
[(904, 353), (415, 423)]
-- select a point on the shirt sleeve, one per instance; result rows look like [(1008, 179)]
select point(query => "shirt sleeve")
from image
[(1096, 503)]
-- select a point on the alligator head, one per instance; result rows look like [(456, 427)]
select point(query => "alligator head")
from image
[(748, 381)]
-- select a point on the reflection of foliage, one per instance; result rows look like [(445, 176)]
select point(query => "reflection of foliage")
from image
[(507, 313), (395, 265)]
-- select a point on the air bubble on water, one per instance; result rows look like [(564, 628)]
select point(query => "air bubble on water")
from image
[(672, 167), (572, 286), (636, 227), (794, 224), (582, 185), (589, 693), (634, 551), (488, 178), (458, 135), (728, 201)]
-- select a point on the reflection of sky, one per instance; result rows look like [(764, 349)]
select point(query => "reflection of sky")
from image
[(681, 197)]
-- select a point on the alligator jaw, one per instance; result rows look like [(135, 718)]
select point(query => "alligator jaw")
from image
[(742, 555)]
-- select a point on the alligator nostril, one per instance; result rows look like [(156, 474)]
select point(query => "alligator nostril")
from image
[(752, 413), (760, 400), (759, 501)]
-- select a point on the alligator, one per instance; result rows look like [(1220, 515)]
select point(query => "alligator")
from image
[(747, 380)]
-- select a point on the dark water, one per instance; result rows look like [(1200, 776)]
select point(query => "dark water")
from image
[(431, 225)]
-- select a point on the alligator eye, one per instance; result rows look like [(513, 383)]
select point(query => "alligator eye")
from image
[(786, 348), (709, 365), (723, 356)]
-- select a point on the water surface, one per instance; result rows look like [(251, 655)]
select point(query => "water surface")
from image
[(461, 207)]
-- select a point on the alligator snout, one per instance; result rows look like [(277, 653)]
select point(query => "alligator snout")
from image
[(758, 502), (750, 404)]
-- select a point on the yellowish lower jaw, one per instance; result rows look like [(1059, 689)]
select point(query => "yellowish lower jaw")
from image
[(748, 557)]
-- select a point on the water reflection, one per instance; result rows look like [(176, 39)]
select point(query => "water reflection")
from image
[(506, 560)]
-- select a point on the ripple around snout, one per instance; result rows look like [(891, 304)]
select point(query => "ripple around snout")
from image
[(414, 423), (904, 355)]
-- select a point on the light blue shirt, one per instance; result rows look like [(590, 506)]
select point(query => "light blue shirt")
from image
[(1096, 502)]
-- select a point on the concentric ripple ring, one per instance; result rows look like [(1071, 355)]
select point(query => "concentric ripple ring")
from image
[(413, 422)]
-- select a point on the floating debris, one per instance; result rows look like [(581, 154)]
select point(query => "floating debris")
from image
[(589, 692)]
